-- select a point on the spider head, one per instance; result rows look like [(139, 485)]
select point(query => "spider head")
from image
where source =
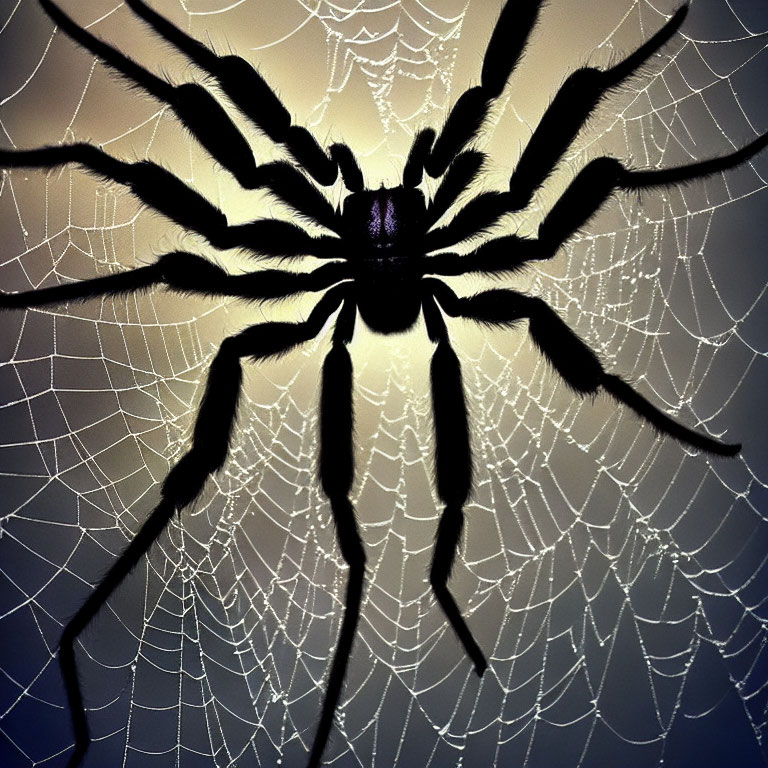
[(383, 219)]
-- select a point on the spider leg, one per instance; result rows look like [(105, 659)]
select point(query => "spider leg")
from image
[(210, 445), (566, 115), (418, 154), (497, 257), (185, 273), (200, 113), (477, 216), (504, 50), (161, 190), (581, 200), (291, 186), (569, 111), (461, 173), (573, 360), (351, 174), (453, 470), (598, 179), (250, 93), (336, 470)]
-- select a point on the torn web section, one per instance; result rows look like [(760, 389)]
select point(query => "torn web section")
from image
[(597, 559)]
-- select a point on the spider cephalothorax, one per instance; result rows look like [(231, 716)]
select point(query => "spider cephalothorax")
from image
[(385, 257), (383, 230)]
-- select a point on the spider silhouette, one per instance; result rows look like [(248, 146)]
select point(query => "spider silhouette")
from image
[(385, 257)]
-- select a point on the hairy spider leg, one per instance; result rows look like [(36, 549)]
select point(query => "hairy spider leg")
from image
[(336, 467), (566, 115), (209, 123), (457, 179), (185, 273), (574, 361), (572, 106), (581, 200), (474, 218), (435, 152), (163, 192), (598, 179), (150, 530), (413, 172), (453, 470), (198, 111), (192, 274), (210, 446), (292, 187), (570, 109), (251, 94)]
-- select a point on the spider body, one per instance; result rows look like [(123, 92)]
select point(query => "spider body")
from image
[(384, 232), (384, 260)]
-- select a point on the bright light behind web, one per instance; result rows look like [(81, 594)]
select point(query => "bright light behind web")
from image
[(616, 580)]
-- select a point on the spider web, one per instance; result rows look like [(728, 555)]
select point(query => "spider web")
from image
[(616, 580)]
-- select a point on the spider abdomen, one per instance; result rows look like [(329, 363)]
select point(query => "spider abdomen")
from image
[(389, 301)]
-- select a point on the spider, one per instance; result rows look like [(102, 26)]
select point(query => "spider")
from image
[(383, 260)]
